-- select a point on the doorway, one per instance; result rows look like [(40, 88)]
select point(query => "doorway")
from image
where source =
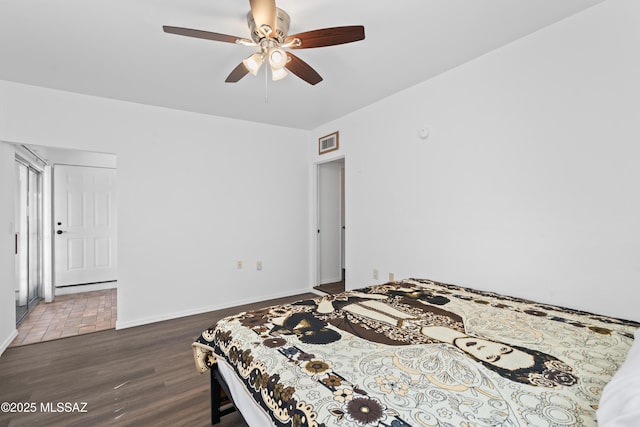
[(331, 268), (88, 301), (28, 238)]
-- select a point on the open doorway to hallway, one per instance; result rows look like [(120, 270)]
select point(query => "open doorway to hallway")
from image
[(331, 227), (76, 269)]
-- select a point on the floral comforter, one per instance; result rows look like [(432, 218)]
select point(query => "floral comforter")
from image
[(421, 353)]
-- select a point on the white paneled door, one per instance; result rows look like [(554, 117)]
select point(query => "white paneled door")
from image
[(85, 225)]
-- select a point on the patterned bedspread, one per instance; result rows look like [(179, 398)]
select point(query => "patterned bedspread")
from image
[(421, 353)]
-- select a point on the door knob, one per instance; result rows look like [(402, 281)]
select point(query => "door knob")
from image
[(59, 232)]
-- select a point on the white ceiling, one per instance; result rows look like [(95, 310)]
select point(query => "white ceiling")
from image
[(117, 49)]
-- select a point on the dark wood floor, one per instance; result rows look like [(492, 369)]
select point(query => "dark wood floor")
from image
[(331, 288), (142, 376)]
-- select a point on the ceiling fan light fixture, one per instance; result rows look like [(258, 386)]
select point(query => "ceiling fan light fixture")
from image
[(253, 63), (278, 73), (277, 57)]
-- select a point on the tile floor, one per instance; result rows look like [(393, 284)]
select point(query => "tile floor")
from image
[(69, 315)]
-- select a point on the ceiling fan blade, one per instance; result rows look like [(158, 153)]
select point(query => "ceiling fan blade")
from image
[(264, 13), (199, 34), (239, 72), (327, 37), (303, 70)]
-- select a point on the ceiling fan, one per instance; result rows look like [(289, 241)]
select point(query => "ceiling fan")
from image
[(269, 28)]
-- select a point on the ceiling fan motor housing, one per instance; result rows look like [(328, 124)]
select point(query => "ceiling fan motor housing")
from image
[(281, 31)]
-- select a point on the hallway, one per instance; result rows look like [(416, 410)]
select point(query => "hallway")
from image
[(69, 315)]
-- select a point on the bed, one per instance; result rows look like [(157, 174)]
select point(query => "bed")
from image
[(417, 353)]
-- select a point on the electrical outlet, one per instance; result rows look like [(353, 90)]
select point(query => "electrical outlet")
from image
[(375, 273), (259, 265), (239, 264), (391, 277)]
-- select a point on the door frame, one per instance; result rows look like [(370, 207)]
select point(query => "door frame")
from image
[(26, 159), (88, 285), (317, 209)]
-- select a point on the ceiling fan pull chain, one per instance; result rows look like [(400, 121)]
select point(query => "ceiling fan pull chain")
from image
[(266, 85)]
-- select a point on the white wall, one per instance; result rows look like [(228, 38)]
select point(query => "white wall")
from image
[(528, 184), (196, 194)]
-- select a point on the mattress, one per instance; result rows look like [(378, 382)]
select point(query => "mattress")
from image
[(417, 353)]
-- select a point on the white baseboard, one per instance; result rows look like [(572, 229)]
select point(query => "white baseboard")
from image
[(85, 288), (5, 344), (175, 315)]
